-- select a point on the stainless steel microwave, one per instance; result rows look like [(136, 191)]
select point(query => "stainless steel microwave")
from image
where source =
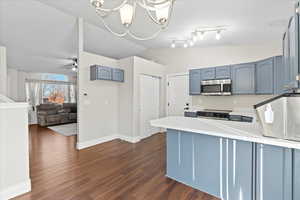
[(216, 87)]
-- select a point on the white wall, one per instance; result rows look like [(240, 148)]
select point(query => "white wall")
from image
[(180, 60), (142, 66), (98, 110), (126, 104), (14, 150), (16, 82), (129, 104), (3, 71)]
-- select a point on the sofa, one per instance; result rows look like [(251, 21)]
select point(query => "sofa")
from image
[(55, 114)]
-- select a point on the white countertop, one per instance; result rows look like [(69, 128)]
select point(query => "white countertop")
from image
[(251, 132)]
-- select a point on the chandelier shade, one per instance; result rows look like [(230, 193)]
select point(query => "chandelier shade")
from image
[(159, 12)]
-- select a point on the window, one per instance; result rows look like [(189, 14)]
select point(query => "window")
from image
[(54, 88)]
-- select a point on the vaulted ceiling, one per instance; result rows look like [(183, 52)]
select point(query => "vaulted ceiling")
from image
[(41, 34)]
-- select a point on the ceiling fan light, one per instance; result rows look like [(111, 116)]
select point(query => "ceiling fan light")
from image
[(126, 14), (74, 69), (218, 35), (162, 13), (97, 3)]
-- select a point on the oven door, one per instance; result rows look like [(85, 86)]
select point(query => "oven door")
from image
[(211, 89)]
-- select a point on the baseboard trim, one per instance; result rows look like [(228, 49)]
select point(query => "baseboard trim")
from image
[(129, 138), (90, 143), (15, 190), (83, 145)]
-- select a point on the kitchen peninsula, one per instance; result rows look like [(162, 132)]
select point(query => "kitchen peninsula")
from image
[(231, 160)]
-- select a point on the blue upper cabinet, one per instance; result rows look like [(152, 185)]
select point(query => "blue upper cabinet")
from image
[(265, 77), (279, 78), (118, 75), (293, 50), (243, 78), (98, 72), (195, 81), (223, 72), (104, 73), (286, 60), (208, 73)]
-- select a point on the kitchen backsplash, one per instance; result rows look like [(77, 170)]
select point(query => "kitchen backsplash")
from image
[(228, 102)]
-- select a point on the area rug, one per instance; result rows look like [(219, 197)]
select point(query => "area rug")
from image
[(65, 129)]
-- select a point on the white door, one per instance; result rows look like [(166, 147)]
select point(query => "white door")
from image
[(149, 104), (178, 94)]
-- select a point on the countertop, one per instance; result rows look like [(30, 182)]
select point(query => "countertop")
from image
[(251, 132)]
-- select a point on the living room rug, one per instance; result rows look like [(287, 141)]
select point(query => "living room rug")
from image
[(65, 129)]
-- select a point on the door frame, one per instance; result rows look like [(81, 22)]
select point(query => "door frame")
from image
[(168, 76), (139, 109)]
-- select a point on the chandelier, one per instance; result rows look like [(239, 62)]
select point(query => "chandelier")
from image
[(159, 11)]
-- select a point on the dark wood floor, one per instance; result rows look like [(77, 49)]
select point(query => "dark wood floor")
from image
[(115, 170)]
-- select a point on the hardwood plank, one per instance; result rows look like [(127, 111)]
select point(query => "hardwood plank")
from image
[(114, 170)]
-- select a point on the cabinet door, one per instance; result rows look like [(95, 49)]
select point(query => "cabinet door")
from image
[(186, 163), (195, 81), (279, 77), (243, 78), (296, 174), (293, 46), (173, 138), (274, 173), (286, 60), (208, 73), (104, 73), (239, 173), (223, 72), (264, 77), (118, 75), (208, 163)]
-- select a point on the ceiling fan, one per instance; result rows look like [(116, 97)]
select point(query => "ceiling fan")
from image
[(73, 65)]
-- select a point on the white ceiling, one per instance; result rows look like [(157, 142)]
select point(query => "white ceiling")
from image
[(41, 34), (249, 21), (41, 38)]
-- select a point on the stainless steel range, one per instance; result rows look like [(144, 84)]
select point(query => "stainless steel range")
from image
[(218, 115)]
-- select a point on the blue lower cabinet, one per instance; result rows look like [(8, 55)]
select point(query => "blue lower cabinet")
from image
[(186, 157), (208, 164), (273, 173), (239, 174), (233, 169), (296, 175), (173, 153)]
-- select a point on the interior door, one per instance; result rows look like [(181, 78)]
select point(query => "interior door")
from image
[(178, 94), (149, 104)]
